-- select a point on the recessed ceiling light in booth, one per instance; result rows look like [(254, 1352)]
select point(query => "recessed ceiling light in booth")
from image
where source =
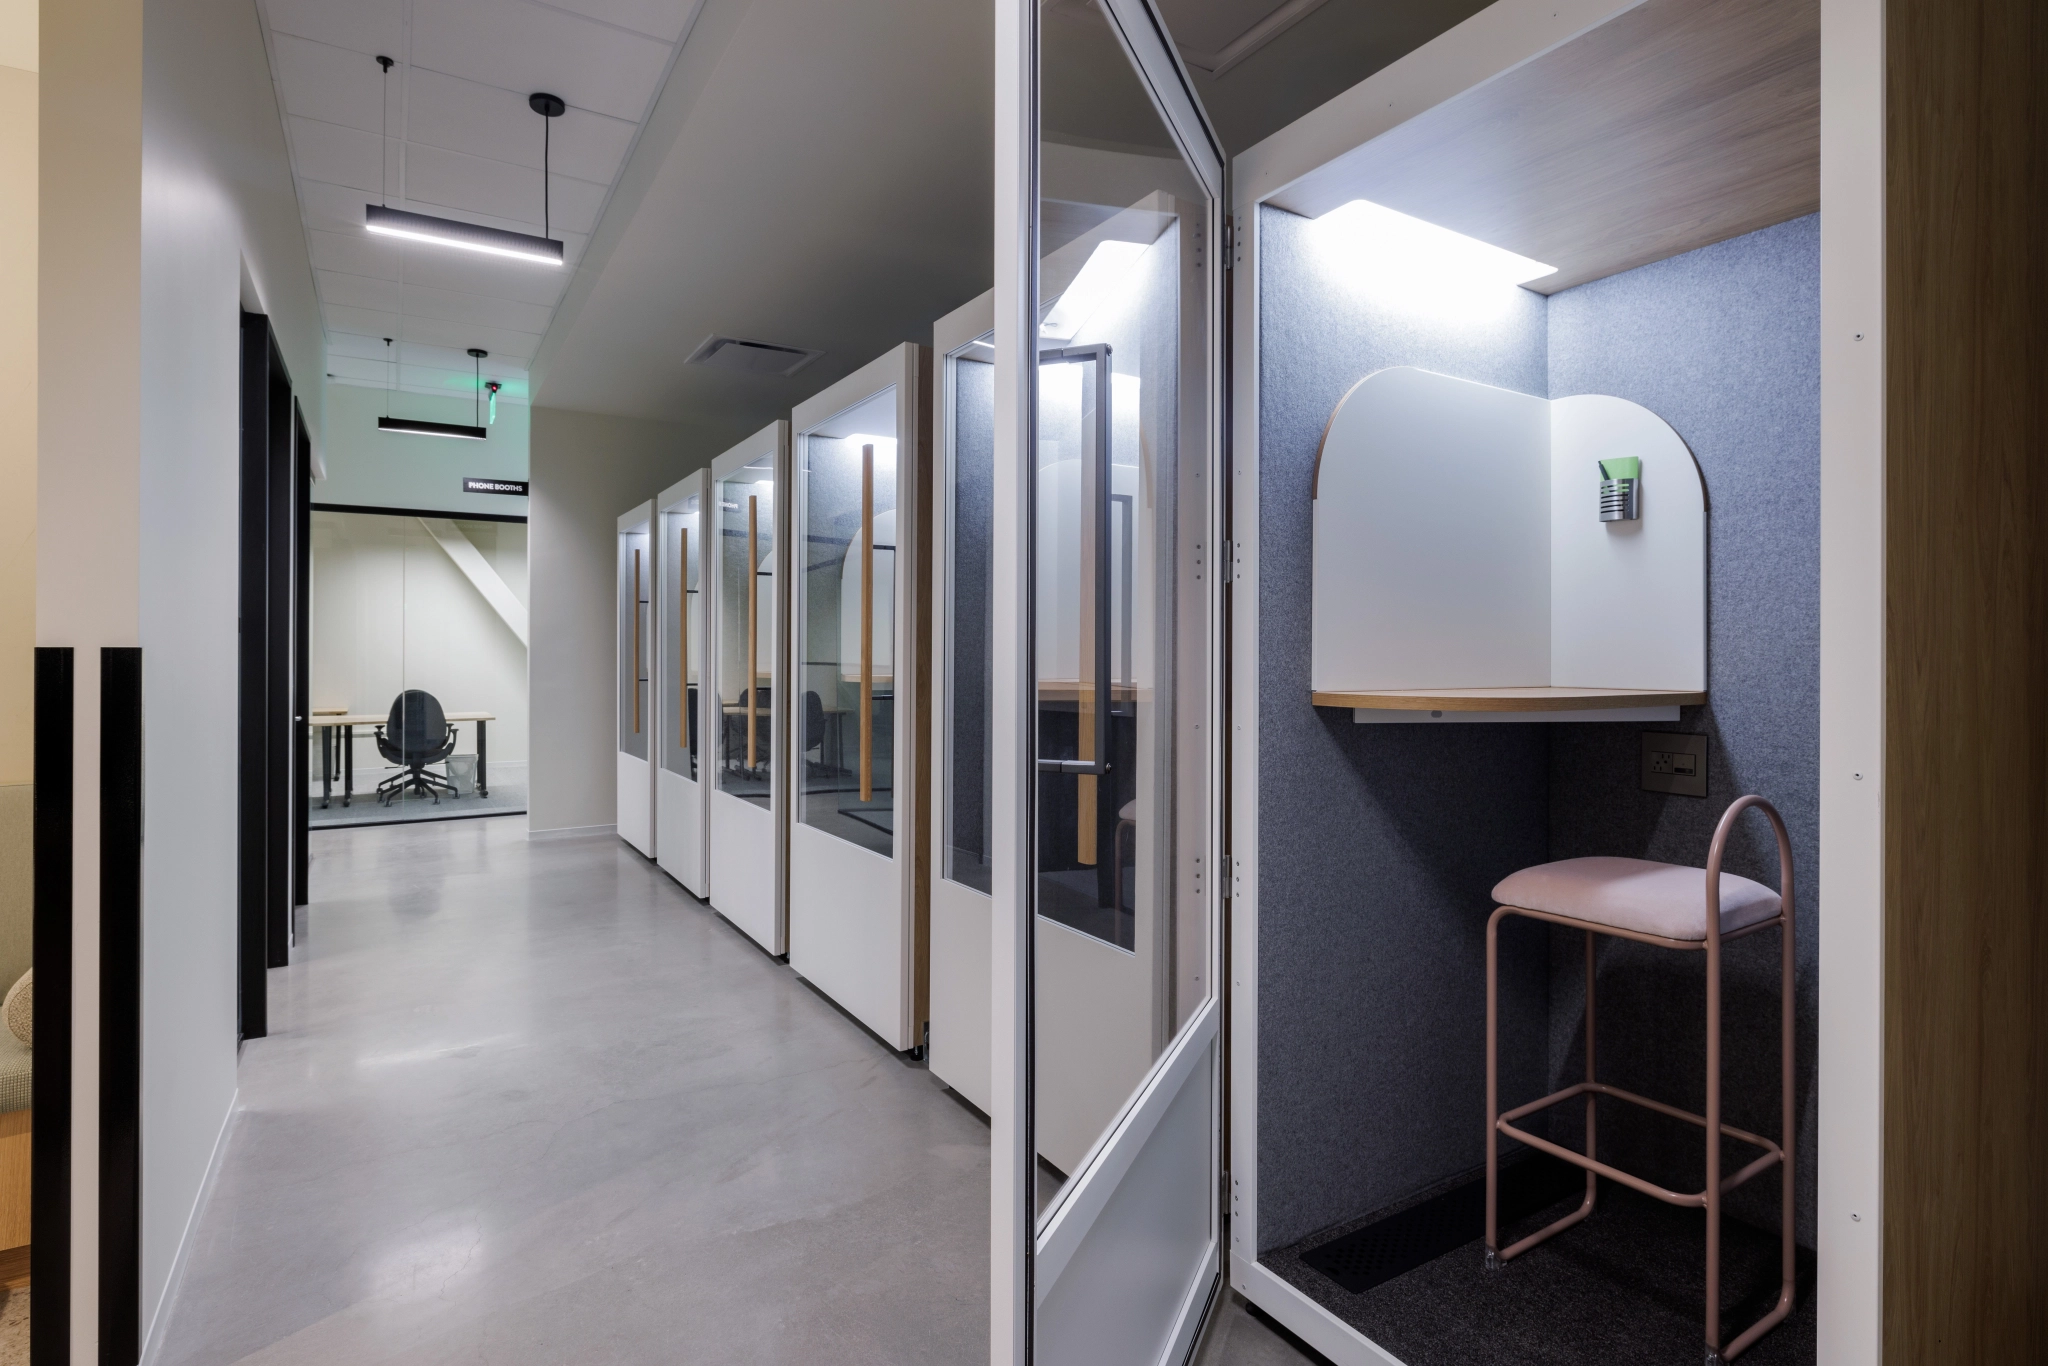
[(544, 250), (413, 426)]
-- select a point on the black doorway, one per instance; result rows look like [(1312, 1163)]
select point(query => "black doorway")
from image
[(274, 495)]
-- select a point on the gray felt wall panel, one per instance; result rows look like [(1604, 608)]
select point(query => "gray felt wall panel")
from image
[(1724, 344), (1377, 844)]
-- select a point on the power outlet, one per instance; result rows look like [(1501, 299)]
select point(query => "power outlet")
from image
[(1675, 763)]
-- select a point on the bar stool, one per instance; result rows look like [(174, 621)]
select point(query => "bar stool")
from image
[(1674, 908)]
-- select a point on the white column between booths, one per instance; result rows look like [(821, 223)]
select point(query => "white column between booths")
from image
[(1850, 1067)]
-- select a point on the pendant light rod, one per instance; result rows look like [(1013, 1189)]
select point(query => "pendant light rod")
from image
[(476, 398), (550, 108)]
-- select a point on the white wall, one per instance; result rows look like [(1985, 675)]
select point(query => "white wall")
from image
[(366, 467), (587, 470), (215, 204), (391, 611)]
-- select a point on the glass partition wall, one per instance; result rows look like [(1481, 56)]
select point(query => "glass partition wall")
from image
[(746, 678), (745, 718), (1115, 450), (845, 642), (409, 617), (679, 816)]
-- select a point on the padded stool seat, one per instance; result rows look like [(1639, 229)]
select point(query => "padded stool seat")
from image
[(1661, 899), (1666, 906)]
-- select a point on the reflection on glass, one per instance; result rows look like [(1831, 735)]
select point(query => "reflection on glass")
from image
[(846, 634), (969, 771), (1121, 628), (636, 589), (682, 544), (746, 631)]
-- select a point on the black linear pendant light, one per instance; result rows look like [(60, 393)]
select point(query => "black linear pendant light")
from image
[(544, 250), (476, 432)]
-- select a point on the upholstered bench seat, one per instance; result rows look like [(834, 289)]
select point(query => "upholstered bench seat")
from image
[(17, 1074), (1637, 895)]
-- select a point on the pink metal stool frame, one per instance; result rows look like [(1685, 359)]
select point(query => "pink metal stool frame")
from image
[(1716, 1185)]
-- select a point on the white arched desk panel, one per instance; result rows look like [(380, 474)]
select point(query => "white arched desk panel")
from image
[(1462, 572), (744, 740), (680, 601), (635, 719)]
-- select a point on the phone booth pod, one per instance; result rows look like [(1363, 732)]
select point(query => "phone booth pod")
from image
[(745, 717), (1526, 569), (681, 609), (859, 670), (635, 715)]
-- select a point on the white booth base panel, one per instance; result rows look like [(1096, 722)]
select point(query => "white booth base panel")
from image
[(744, 892), (636, 804), (679, 830), (1128, 1262), (847, 933), (960, 1042)]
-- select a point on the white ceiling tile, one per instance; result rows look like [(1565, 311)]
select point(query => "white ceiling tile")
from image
[(337, 155), (469, 273), (363, 320), (355, 369), (332, 208), (333, 84), (663, 19), (369, 26), (472, 185), (358, 346), (487, 121), (478, 309), (526, 47), (475, 186), (358, 291), (355, 253), (501, 342)]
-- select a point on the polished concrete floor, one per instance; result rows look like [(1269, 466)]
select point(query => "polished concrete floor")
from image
[(528, 1102)]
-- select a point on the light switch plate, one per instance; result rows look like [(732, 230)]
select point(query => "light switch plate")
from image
[(1674, 763)]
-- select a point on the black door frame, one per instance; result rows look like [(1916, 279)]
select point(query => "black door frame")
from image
[(264, 725), (50, 1143), (301, 637)]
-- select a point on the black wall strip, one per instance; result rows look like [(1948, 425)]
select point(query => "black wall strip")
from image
[(252, 678), (418, 512), (120, 1297), (50, 1147)]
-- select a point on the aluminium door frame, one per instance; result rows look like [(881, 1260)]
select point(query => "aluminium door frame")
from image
[(967, 326), (640, 518), (1017, 1248)]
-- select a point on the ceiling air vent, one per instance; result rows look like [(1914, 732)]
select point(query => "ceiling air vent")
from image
[(752, 357)]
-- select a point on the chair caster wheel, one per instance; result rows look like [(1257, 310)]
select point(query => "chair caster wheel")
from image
[(1714, 1357)]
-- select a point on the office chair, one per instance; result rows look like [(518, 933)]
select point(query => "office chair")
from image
[(814, 727), (419, 734)]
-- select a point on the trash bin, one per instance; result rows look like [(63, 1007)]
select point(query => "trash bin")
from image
[(462, 773)]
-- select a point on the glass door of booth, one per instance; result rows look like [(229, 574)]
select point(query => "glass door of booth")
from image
[(743, 718), (679, 816), (1117, 459), (856, 901), (635, 673)]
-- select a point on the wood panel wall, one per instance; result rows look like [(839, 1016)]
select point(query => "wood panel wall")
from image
[(1966, 711)]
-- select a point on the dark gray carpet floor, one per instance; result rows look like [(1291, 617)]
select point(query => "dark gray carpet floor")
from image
[(1626, 1287)]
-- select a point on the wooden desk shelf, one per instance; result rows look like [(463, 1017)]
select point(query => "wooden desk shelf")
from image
[(1508, 699)]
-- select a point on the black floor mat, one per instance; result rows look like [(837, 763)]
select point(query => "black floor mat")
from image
[(1626, 1286), (1402, 1241)]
